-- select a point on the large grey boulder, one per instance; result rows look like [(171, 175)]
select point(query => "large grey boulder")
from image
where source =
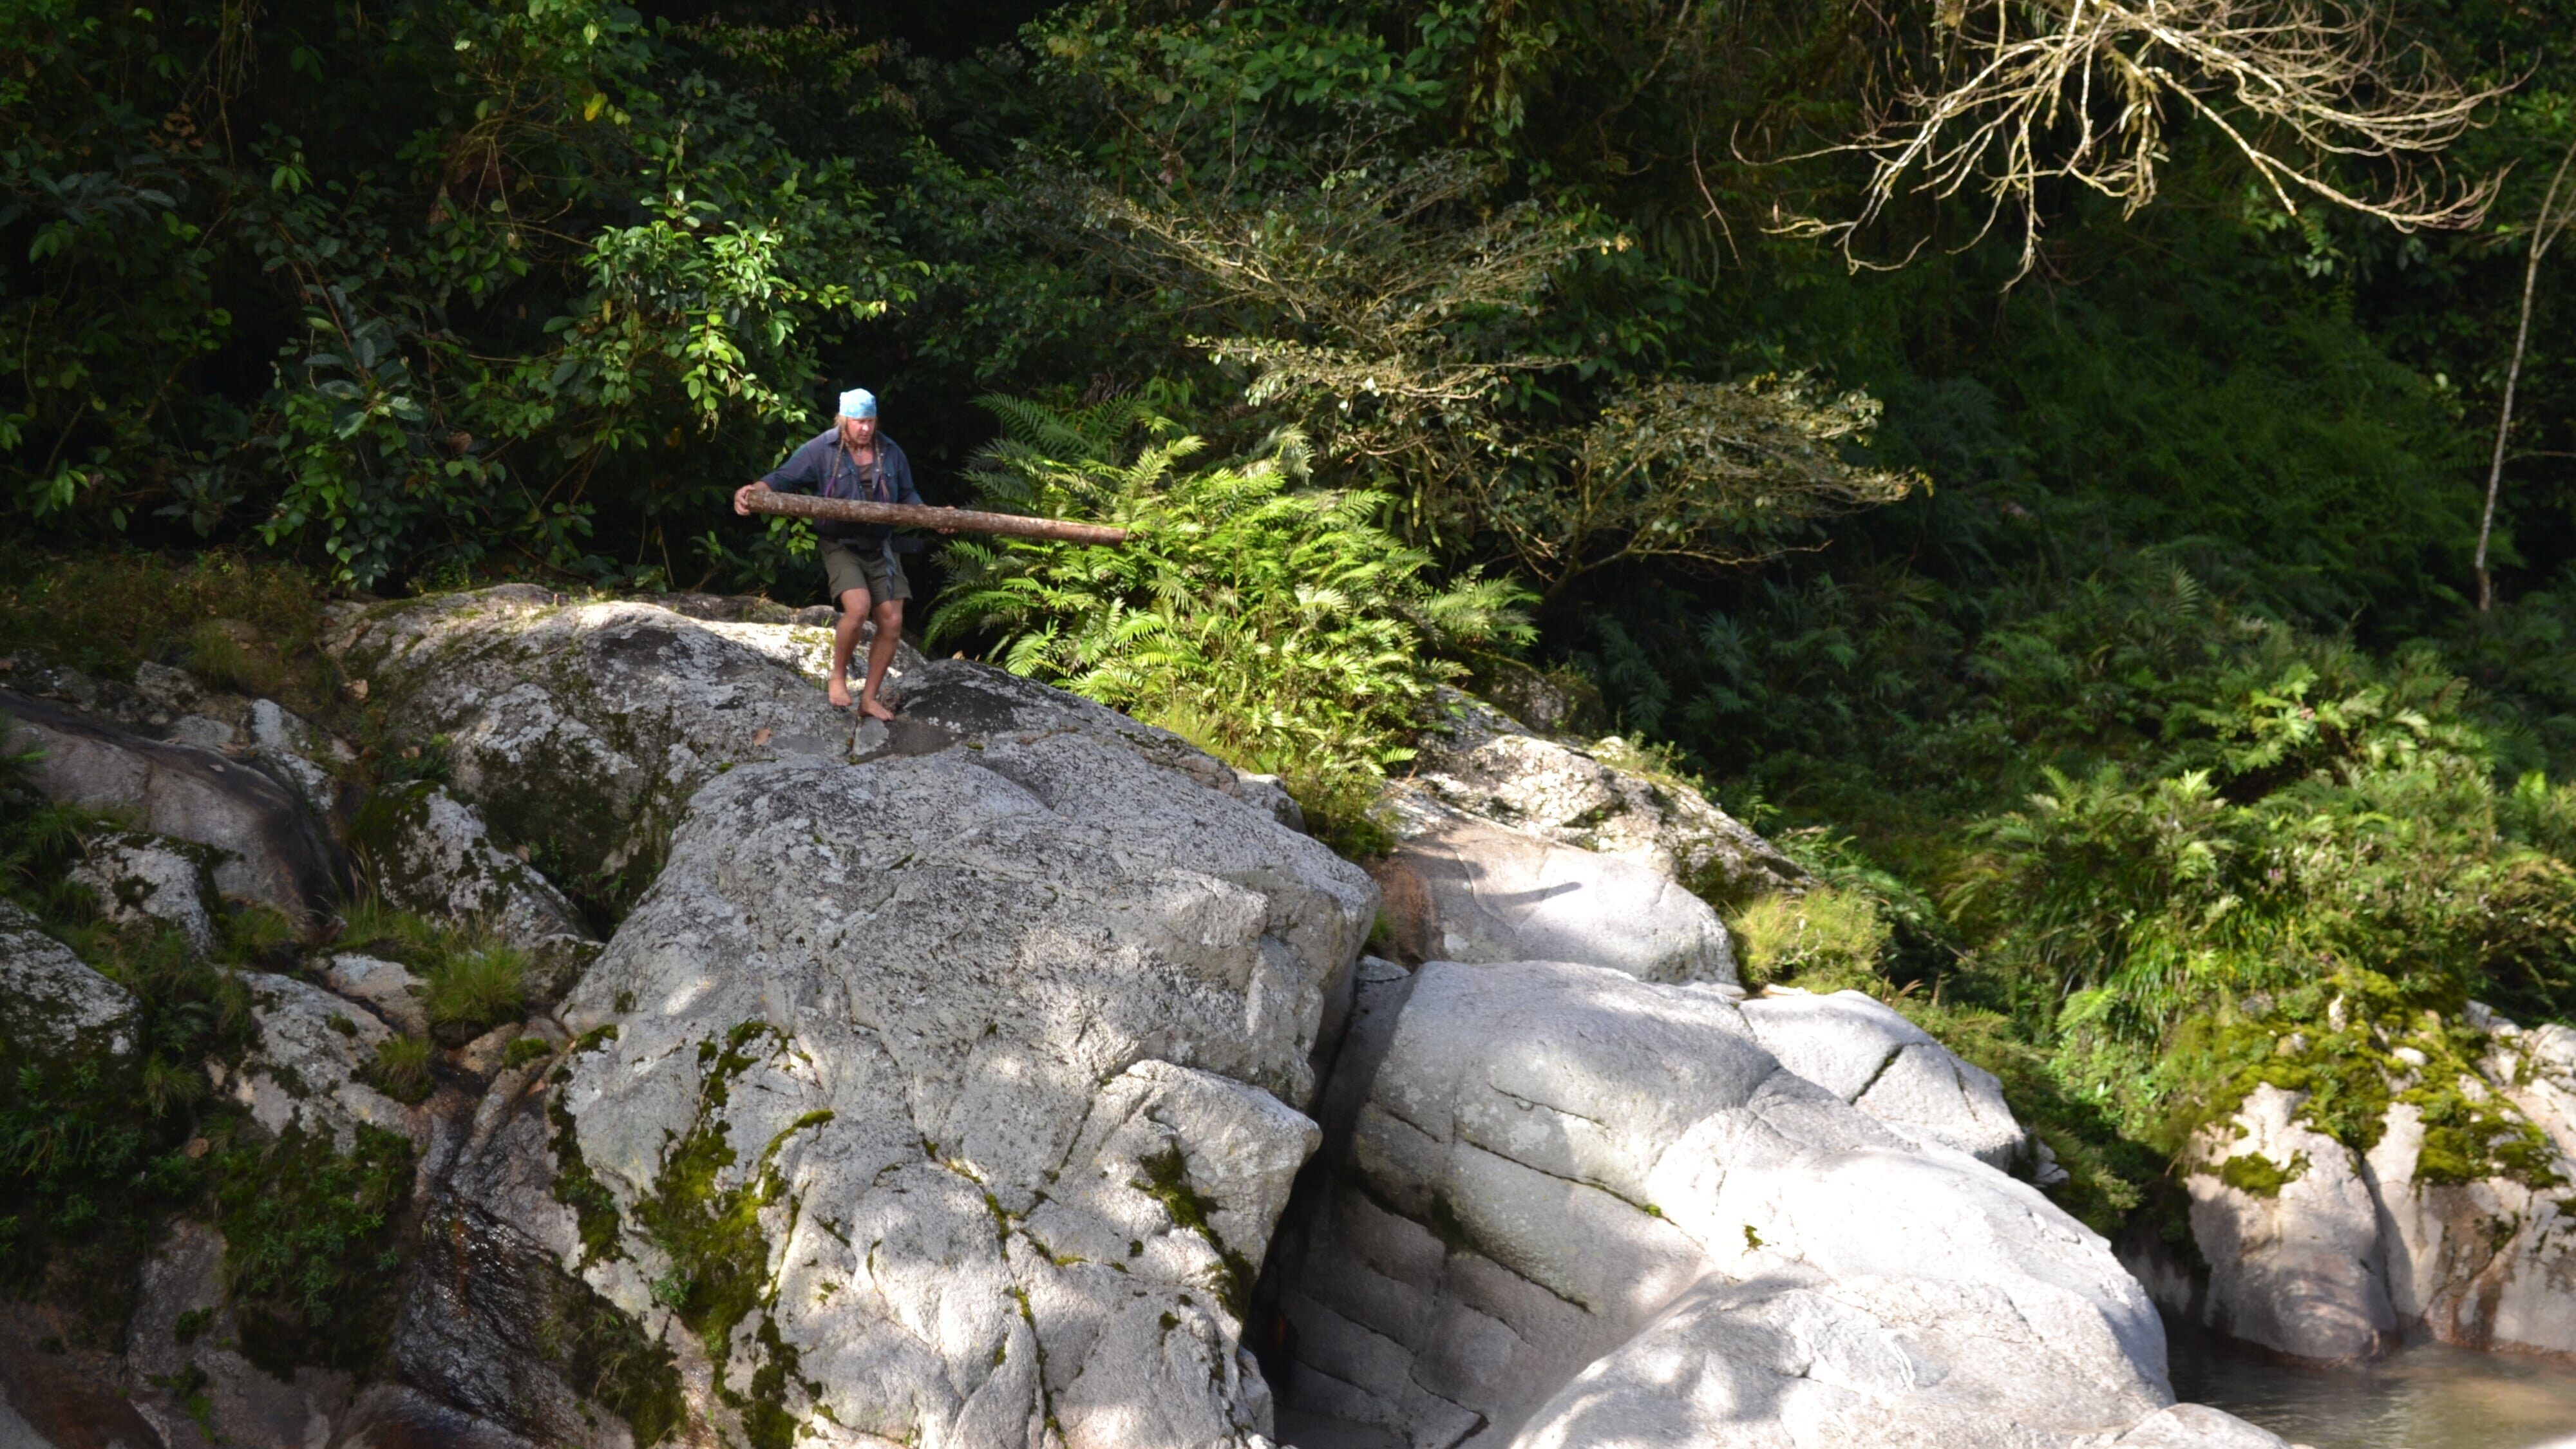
[(1511, 847), (52, 1005), (1863, 1052), (275, 853), (1566, 1207), (999, 1045), (2317, 1251), (584, 726), (2294, 1246), (1458, 888), (1606, 797)]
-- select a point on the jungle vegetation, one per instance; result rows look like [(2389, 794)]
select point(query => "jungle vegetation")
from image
[(2043, 464)]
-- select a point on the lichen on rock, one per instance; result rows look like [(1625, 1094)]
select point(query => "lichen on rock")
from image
[(1016, 977), (53, 1007)]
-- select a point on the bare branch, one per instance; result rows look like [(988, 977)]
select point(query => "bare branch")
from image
[(2079, 91)]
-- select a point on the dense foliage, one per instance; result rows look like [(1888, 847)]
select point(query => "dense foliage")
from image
[(1277, 626), (2093, 608)]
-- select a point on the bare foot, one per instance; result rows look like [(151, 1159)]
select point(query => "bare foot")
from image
[(838, 691), (869, 706)]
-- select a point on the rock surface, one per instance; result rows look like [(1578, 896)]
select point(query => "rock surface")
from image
[(307, 1070), (1513, 847), (1605, 797), (52, 1005), (386, 988), (999, 1037), (275, 853), (1863, 1052), (2321, 1252), (583, 727), (138, 878), (1565, 1207), (424, 850)]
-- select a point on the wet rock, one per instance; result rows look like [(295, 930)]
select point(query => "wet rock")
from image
[(138, 878), (582, 727), (275, 854), (1012, 1015), (497, 1330), (53, 1396), (1560, 1206), (1863, 1052), (392, 1416), (53, 1007)]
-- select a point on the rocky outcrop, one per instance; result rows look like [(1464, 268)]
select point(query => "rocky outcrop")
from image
[(1565, 1207), (53, 1007), (137, 878), (1606, 797), (273, 851), (583, 727), (422, 849), (1509, 846), (1863, 1052), (308, 1070), (999, 1041), (948, 1085), (2463, 1230)]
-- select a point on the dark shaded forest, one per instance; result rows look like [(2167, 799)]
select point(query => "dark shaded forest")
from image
[(2073, 556)]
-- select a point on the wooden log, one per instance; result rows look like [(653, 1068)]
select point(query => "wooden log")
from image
[(915, 515)]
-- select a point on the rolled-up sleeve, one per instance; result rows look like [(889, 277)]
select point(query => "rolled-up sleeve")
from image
[(801, 473)]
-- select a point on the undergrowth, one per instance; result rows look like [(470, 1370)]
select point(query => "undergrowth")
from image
[(471, 979), (313, 1248), (1276, 626)]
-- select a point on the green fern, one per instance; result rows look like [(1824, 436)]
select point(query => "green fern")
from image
[(1275, 625)]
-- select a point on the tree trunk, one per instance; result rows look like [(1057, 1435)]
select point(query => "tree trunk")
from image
[(915, 515), (2543, 232)]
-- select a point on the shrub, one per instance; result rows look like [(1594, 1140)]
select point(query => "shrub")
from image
[(401, 1069), (310, 1245), (1825, 940), (1276, 626), (224, 655), (474, 989)]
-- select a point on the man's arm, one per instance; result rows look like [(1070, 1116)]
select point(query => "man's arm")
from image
[(797, 475)]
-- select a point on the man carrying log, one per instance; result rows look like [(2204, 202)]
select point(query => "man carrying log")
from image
[(853, 461)]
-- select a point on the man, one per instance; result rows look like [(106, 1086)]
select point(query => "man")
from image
[(853, 460)]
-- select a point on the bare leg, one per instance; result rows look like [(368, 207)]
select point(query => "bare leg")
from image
[(845, 639), (881, 654)]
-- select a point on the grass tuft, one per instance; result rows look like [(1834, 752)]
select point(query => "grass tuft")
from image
[(401, 1070)]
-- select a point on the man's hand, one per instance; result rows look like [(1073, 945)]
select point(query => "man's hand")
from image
[(945, 532), (742, 497)]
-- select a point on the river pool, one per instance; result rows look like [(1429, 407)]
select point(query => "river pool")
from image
[(2428, 1396)]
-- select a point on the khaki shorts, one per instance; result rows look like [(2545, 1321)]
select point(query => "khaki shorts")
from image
[(851, 566)]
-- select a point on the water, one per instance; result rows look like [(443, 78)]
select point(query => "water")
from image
[(2428, 1396)]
